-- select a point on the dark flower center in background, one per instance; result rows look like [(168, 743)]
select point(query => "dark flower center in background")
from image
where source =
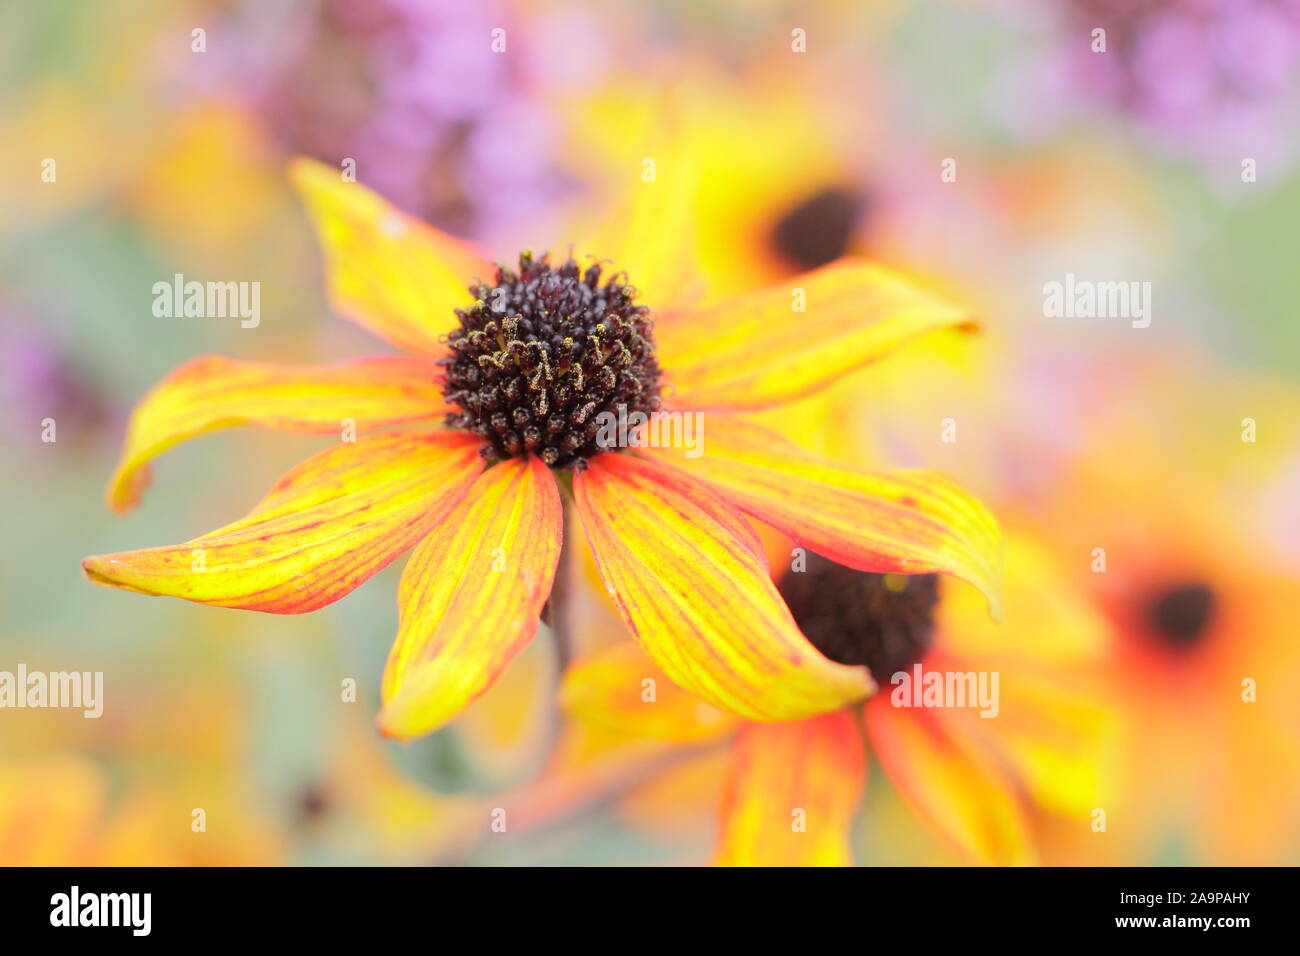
[(542, 354), (884, 622), (312, 804), (817, 231), (1180, 616)]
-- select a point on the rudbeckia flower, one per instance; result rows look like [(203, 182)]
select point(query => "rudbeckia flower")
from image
[(511, 370), (792, 790), (791, 201), (1172, 507)]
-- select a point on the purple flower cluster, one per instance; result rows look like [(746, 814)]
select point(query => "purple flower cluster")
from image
[(1217, 80), (433, 99)]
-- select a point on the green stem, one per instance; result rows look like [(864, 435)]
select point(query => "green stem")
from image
[(559, 606)]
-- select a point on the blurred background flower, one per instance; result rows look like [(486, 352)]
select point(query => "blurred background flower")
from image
[(1209, 81)]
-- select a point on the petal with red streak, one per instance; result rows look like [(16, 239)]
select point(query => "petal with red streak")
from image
[(791, 793), (957, 789), (214, 392), (471, 595), (689, 576), (909, 521), (763, 349), (326, 527)]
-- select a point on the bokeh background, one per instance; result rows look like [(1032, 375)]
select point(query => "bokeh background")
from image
[(1171, 158)]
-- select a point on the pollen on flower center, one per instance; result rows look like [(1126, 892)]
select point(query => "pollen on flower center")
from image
[(542, 353), (884, 622)]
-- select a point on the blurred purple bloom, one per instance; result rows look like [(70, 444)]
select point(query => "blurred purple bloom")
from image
[(412, 90), (1218, 80), (38, 380)]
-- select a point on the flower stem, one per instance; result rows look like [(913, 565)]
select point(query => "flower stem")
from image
[(558, 617), (559, 606)]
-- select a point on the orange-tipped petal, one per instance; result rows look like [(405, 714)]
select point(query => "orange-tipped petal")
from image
[(471, 595), (763, 349), (791, 793), (690, 578), (620, 689), (326, 527), (909, 522), (215, 392), (387, 271), (955, 788)]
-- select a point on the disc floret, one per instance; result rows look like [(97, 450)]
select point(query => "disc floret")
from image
[(542, 353)]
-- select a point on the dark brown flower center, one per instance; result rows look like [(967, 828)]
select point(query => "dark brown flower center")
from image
[(1180, 616), (818, 230), (884, 622), (543, 354)]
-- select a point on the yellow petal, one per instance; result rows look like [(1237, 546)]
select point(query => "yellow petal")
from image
[(689, 576), (471, 595), (1056, 730), (956, 789), (793, 339), (387, 271), (326, 527), (1061, 627), (909, 522), (645, 233), (791, 793), (1057, 726), (621, 689), (214, 392)]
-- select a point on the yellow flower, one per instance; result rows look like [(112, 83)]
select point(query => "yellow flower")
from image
[(786, 201), (792, 790), (49, 810), (125, 792), (522, 370)]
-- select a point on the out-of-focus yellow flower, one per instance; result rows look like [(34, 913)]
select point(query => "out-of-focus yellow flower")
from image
[(76, 137), (792, 790), (123, 790), (50, 808), (161, 784), (523, 382), (69, 154), (771, 190), (216, 168)]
